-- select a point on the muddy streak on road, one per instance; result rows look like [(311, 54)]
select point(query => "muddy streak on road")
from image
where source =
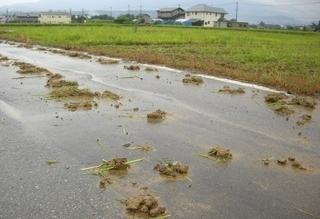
[(198, 118)]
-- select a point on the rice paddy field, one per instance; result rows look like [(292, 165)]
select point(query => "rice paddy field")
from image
[(285, 60)]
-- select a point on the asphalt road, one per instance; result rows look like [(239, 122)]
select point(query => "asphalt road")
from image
[(34, 130)]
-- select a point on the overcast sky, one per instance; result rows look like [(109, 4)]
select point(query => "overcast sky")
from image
[(275, 11)]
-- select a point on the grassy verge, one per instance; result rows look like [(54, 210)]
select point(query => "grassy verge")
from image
[(280, 59)]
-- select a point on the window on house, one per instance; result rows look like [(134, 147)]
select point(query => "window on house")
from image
[(208, 22), (196, 13)]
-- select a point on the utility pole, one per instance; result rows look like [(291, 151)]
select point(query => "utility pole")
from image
[(128, 9), (111, 11), (237, 8), (140, 12)]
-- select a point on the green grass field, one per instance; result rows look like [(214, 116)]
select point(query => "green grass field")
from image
[(281, 59)]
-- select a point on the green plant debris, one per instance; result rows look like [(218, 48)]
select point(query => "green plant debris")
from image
[(232, 91), (114, 164), (275, 97), (110, 95), (192, 80), (51, 162), (171, 168)]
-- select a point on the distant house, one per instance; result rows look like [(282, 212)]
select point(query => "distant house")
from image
[(55, 18), (171, 14), (3, 19), (143, 18), (26, 18), (209, 15), (237, 24), (189, 22)]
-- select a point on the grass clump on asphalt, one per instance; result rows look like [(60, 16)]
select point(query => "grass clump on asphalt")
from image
[(232, 91), (71, 91), (26, 68), (107, 61), (192, 80), (218, 153), (156, 116), (110, 95)]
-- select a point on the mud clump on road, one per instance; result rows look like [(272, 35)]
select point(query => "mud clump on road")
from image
[(232, 91), (144, 205), (85, 105), (171, 168), (280, 103), (142, 147), (149, 69), (114, 167), (304, 119), (71, 91), (107, 61), (132, 67), (3, 58), (291, 161), (156, 116), (277, 102), (218, 153), (78, 55), (196, 80), (275, 97), (110, 95), (26, 68), (308, 102), (56, 81)]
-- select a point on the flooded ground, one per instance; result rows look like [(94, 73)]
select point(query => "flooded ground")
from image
[(35, 130)]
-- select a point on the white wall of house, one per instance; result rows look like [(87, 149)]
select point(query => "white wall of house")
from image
[(54, 19), (209, 18)]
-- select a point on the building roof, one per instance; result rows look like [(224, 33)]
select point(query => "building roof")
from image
[(206, 8), (61, 13), (168, 9)]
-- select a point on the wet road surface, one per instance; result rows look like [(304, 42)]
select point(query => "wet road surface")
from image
[(34, 130)]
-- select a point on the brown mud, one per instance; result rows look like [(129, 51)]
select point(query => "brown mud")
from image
[(107, 61), (144, 205), (232, 91), (305, 118), (218, 153), (196, 80), (132, 67), (26, 68), (282, 104), (83, 105), (149, 69), (156, 116), (110, 95), (171, 168)]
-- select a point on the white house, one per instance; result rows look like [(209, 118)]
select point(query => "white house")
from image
[(209, 15), (55, 18)]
